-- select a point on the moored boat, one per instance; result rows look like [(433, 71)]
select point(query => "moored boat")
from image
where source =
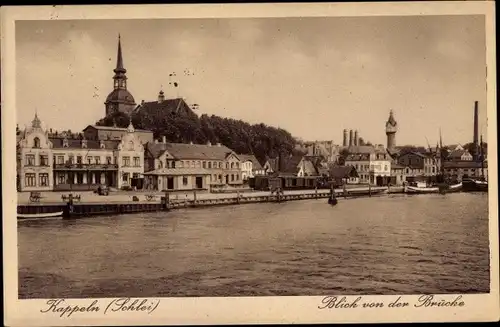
[(472, 185), (39, 215)]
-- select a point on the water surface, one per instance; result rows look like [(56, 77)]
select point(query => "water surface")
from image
[(382, 245)]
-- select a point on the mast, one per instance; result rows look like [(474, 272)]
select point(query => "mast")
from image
[(481, 156)]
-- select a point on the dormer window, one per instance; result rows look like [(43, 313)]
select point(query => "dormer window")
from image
[(102, 145), (36, 143), (84, 144), (65, 143)]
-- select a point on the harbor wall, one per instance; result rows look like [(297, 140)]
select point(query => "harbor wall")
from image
[(80, 210)]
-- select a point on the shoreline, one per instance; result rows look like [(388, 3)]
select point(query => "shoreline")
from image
[(120, 205)]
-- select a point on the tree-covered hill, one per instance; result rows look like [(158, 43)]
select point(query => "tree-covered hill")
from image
[(259, 139)]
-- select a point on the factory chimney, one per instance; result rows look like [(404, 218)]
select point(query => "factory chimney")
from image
[(351, 137), (476, 127), (356, 138), (344, 143)]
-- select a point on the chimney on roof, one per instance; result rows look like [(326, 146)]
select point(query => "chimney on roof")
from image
[(164, 139), (351, 137), (356, 138)]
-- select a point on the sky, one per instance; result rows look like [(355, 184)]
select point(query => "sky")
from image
[(311, 76)]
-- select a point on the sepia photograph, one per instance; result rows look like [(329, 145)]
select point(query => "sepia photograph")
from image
[(252, 157)]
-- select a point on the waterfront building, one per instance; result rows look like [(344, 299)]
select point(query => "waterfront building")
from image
[(163, 107), (372, 163), (458, 170), (340, 175), (250, 166), (71, 163), (222, 164), (34, 159), (460, 155)]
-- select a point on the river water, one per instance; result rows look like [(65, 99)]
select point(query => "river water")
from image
[(381, 245)]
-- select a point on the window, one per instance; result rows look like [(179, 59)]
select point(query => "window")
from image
[(44, 160), (79, 159), (44, 179), (192, 164), (160, 164), (89, 160), (97, 160), (30, 160), (71, 159), (135, 175), (125, 177), (36, 142), (108, 160), (30, 179), (209, 165), (60, 160), (61, 179), (137, 161), (126, 161), (184, 180), (238, 165), (198, 164), (232, 177), (181, 164), (204, 164), (227, 165)]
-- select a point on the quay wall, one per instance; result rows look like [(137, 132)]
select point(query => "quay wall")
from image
[(82, 209)]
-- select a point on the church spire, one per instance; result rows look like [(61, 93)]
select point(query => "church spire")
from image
[(120, 71)]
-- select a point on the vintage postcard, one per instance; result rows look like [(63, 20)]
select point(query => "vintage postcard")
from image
[(249, 163)]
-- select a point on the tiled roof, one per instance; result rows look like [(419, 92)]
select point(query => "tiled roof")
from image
[(112, 128), (179, 171), (250, 157), (457, 153), (290, 164), (358, 157), (310, 167), (77, 144), (166, 106), (464, 164), (190, 151)]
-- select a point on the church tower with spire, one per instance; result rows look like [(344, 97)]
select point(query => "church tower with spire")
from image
[(391, 127), (120, 99)]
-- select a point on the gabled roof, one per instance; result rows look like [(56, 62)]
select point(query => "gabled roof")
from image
[(183, 151), (250, 157), (458, 153)]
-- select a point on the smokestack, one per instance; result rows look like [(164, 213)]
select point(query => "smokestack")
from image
[(344, 143), (164, 139), (356, 138), (351, 137), (476, 127)]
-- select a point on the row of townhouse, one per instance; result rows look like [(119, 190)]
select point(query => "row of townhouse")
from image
[(124, 158)]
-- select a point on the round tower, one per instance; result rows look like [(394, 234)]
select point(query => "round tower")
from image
[(391, 128)]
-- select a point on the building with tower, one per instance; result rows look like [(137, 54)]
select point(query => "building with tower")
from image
[(391, 128), (120, 99)]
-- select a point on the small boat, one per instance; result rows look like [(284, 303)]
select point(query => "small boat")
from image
[(473, 185), (332, 201), (39, 215), (421, 190)]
